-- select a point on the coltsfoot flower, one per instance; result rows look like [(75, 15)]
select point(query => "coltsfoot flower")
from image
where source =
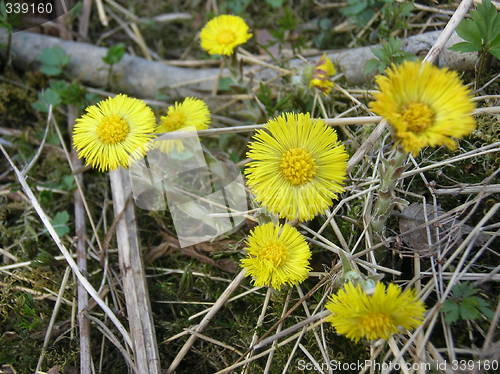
[(276, 255), (425, 105), (222, 34), (321, 74), (192, 113), (387, 311), (114, 132), (298, 166)]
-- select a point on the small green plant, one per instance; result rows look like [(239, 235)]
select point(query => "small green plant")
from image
[(481, 32), (464, 304), (113, 56), (60, 223), (390, 52), (53, 61), (45, 99), (60, 92)]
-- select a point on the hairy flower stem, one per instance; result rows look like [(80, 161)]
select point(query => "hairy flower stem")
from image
[(389, 171), (235, 68)]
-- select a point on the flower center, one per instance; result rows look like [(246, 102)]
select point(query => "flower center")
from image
[(377, 324), (297, 166), (275, 253), (112, 129), (418, 116), (174, 121), (226, 37)]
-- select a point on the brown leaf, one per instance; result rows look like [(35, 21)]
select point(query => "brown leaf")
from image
[(413, 216)]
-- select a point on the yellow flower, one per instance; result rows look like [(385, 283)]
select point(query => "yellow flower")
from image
[(298, 166), (380, 315), (276, 255), (222, 34), (322, 72), (114, 132), (425, 105), (189, 114)]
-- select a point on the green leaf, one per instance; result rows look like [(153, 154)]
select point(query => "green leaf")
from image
[(468, 310), (379, 53), (495, 43), (114, 54), (464, 47), (53, 60), (51, 70), (45, 99), (371, 66), (463, 290), (354, 7), (68, 183), (58, 85), (495, 52), (484, 16), (469, 31), (60, 223), (451, 311), (225, 83)]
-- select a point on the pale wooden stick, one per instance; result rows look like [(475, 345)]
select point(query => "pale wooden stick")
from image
[(204, 322), (140, 315)]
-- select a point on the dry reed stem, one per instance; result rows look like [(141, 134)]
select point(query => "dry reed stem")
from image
[(139, 313)]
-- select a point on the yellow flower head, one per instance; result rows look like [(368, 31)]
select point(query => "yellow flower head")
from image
[(222, 34), (322, 72), (114, 132), (276, 255), (298, 166), (378, 316), (425, 105), (189, 114)]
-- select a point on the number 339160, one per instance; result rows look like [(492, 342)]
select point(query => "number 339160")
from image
[(24, 8)]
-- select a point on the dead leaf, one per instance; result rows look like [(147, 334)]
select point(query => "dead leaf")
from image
[(413, 216)]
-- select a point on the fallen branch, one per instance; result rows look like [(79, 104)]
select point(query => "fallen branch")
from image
[(144, 78)]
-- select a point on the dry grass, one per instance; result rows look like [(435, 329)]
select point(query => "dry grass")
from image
[(212, 320)]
